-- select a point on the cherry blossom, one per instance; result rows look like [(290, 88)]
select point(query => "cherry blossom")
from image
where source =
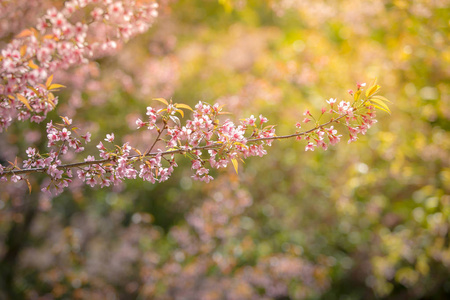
[(209, 141), (61, 40)]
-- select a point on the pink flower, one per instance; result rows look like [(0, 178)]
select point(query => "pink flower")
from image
[(263, 119), (331, 101), (86, 137), (360, 85), (110, 137), (353, 138), (31, 152), (64, 134), (310, 146), (16, 178), (251, 121)]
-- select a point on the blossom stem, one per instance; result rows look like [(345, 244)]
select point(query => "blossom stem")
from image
[(176, 151)]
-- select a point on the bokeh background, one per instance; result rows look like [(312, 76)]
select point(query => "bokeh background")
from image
[(368, 220)]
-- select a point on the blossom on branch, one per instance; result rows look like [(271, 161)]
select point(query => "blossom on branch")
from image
[(209, 142), (62, 39)]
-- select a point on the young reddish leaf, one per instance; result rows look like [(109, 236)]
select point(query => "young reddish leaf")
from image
[(24, 101)]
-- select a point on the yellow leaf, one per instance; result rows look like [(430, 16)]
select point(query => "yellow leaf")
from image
[(49, 81), (227, 4), (65, 120), (235, 164), (372, 90), (35, 32), (180, 105), (24, 101), (34, 90), (181, 112), (55, 86), (137, 151), (162, 100), (51, 102), (381, 98), (380, 103), (24, 33), (356, 95), (383, 109), (29, 185), (32, 65), (240, 144), (23, 50)]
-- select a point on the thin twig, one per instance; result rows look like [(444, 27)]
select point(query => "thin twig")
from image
[(177, 151)]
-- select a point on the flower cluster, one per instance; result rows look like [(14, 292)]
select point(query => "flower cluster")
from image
[(60, 139), (358, 117), (209, 142), (61, 40)]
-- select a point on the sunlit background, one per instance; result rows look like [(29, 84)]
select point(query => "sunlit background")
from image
[(366, 220)]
